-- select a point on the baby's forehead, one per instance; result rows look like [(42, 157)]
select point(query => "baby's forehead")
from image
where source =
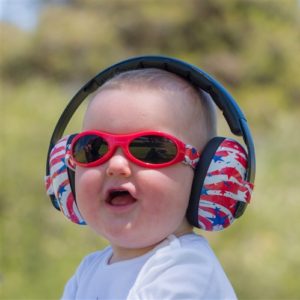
[(185, 100), (155, 81), (171, 90)]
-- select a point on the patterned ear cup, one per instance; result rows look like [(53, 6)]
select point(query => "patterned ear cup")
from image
[(219, 186), (60, 182)]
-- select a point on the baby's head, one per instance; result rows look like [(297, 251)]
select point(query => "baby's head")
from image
[(136, 207), (134, 161)]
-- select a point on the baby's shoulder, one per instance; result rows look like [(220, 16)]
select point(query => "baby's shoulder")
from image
[(183, 266), (189, 257), (188, 247)]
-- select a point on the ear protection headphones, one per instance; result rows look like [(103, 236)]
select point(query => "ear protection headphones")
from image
[(224, 176)]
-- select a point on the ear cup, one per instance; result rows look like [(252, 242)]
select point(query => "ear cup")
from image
[(219, 187), (60, 181)]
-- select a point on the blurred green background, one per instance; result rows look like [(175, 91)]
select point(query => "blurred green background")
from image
[(251, 46)]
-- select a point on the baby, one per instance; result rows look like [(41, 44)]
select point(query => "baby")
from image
[(142, 136)]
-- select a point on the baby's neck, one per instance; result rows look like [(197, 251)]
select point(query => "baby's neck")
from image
[(122, 253)]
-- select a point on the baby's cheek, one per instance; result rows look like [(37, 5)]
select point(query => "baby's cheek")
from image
[(165, 194), (88, 183)]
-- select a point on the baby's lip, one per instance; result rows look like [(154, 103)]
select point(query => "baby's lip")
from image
[(119, 196)]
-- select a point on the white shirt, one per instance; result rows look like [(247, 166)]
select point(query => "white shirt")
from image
[(178, 268)]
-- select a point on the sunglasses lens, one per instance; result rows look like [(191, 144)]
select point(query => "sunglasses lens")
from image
[(89, 148), (153, 149)]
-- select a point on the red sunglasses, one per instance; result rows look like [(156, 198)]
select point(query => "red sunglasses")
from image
[(149, 149)]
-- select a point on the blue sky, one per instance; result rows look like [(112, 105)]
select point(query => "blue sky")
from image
[(23, 13)]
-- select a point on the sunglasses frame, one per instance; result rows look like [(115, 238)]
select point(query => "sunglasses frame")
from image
[(186, 154)]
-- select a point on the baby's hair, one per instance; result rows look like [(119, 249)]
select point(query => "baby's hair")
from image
[(161, 80)]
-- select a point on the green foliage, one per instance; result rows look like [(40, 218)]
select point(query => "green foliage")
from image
[(252, 46), (34, 254)]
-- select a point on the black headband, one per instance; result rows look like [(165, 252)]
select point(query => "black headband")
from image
[(231, 111)]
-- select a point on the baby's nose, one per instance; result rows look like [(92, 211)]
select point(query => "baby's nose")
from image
[(118, 165)]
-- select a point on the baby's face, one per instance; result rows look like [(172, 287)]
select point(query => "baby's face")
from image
[(154, 201)]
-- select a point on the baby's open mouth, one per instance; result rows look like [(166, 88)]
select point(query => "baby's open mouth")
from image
[(120, 198)]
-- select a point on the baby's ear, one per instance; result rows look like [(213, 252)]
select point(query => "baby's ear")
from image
[(60, 184), (219, 190)]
